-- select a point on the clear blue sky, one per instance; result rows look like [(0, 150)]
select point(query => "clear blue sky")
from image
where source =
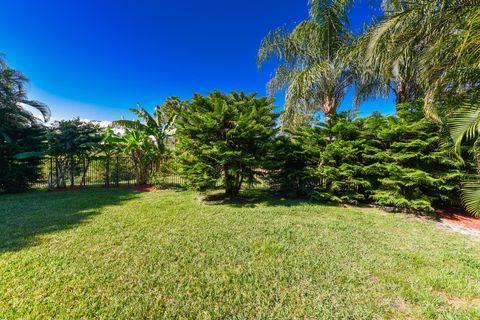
[(97, 58)]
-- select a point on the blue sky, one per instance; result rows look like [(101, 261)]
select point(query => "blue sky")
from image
[(97, 58)]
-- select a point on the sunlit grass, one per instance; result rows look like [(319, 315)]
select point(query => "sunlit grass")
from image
[(121, 254)]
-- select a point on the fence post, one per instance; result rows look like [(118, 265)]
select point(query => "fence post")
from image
[(107, 173), (84, 178)]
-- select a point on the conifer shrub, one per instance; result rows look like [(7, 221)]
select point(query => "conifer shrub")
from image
[(418, 168), (227, 138), (403, 161), (18, 173)]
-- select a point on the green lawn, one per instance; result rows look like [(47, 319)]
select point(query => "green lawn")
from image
[(124, 254)]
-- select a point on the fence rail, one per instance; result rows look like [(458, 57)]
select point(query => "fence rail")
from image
[(116, 171)]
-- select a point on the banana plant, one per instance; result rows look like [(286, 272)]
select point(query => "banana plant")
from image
[(144, 140)]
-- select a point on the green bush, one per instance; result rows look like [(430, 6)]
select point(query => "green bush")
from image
[(403, 161), (225, 136), (17, 174)]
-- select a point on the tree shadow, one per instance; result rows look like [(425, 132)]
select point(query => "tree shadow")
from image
[(24, 217), (252, 199)]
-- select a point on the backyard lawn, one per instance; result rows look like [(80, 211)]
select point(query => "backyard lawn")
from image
[(127, 254)]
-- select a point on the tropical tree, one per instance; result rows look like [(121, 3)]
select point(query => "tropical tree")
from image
[(447, 38), (22, 134), (73, 143), (380, 67), (167, 113), (109, 146), (313, 68), (14, 103), (225, 136), (402, 162), (144, 140)]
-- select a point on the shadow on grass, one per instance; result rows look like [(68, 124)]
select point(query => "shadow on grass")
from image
[(253, 198), (23, 217)]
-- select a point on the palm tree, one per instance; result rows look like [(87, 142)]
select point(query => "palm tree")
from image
[(380, 67), (21, 133), (442, 40), (446, 35), (14, 103), (312, 66)]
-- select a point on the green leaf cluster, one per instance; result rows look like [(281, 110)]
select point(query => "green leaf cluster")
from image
[(22, 134), (225, 137), (73, 143), (404, 161)]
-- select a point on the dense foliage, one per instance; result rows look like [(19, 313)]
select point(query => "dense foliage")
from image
[(402, 161), (417, 49), (72, 143), (17, 173), (225, 136), (22, 134), (425, 53), (144, 139)]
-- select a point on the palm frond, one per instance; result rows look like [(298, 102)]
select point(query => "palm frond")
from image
[(40, 106), (465, 123), (471, 197), (129, 124), (307, 55)]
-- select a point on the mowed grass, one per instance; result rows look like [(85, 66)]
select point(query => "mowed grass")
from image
[(124, 254)]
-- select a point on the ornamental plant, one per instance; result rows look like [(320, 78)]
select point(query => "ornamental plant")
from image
[(227, 138)]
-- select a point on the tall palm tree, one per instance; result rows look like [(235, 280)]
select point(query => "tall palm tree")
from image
[(447, 38), (312, 67), (14, 104), (442, 39), (380, 67)]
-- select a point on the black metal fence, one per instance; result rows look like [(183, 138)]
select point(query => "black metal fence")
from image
[(116, 171), (100, 171)]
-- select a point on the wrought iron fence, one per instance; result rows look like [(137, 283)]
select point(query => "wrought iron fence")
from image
[(116, 171), (100, 171)]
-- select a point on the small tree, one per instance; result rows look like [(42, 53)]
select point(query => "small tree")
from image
[(73, 143), (340, 172), (294, 162), (144, 140), (225, 136), (19, 157)]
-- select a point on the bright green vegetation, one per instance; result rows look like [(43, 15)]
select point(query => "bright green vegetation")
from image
[(122, 254), (225, 135)]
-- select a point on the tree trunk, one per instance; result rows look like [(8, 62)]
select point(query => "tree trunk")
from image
[(233, 184), (107, 173), (402, 93), (142, 174), (72, 173), (330, 107), (60, 169), (229, 184), (86, 164)]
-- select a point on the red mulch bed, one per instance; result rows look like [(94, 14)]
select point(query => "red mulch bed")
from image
[(145, 189), (459, 217)]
